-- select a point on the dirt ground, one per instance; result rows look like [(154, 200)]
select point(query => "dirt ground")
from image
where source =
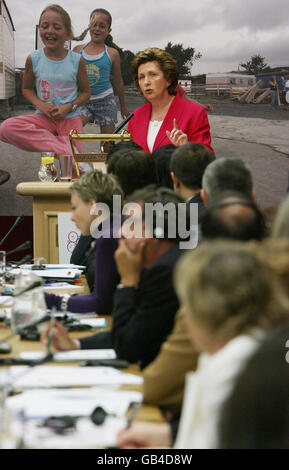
[(224, 106)]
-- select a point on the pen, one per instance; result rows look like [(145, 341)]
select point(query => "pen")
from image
[(135, 406)]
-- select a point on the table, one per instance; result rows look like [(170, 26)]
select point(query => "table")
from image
[(146, 412), (48, 200)]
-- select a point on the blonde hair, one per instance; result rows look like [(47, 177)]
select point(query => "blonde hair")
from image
[(226, 286), (274, 253), (64, 15), (97, 186), (166, 63)]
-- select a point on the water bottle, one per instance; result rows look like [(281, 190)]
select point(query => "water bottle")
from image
[(48, 171)]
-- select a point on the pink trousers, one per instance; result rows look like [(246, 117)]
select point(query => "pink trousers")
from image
[(39, 133)]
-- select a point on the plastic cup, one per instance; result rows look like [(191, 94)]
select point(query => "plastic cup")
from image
[(65, 163)]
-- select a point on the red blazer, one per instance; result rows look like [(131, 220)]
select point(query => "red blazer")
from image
[(191, 119)]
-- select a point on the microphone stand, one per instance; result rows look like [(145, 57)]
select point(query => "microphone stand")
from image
[(23, 246)]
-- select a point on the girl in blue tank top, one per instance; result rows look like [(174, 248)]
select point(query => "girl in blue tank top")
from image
[(62, 86), (101, 62)]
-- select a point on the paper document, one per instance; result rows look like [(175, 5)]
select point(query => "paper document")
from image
[(6, 300), (73, 402), (75, 316), (61, 285), (86, 435), (94, 322), (60, 376), (56, 266), (58, 273), (74, 355)]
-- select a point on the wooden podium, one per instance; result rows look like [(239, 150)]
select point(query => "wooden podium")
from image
[(48, 200)]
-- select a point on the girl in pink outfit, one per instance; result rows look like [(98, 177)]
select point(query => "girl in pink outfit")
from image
[(62, 86)]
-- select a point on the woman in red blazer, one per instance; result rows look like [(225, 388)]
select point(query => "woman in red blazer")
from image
[(166, 118)]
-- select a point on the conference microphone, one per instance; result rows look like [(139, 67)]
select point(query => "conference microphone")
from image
[(122, 124), (5, 348), (21, 247), (17, 221), (26, 259)]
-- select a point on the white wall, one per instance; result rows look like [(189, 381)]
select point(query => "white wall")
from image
[(7, 56)]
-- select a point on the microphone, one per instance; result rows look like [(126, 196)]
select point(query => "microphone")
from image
[(17, 221), (26, 259), (5, 348), (122, 124), (21, 247)]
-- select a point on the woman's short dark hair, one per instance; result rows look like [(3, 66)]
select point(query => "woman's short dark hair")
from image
[(134, 169), (166, 63)]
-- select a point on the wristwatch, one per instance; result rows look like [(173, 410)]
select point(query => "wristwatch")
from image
[(122, 286), (74, 106), (64, 302)]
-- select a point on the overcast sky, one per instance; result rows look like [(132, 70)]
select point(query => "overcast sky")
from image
[(226, 32)]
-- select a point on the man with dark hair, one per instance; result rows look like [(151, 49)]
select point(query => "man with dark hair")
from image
[(162, 156), (116, 147), (133, 168), (187, 166)]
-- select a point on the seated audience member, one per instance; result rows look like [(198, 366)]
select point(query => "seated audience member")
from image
[(187, 167), (245, 222), (134, 169), (230, 302), (280, 228), (162, 156), (226, 174), (166, 117), (116, 147), (164, 378), (86, 193), (145, 303), (233, 217), (256, 414)]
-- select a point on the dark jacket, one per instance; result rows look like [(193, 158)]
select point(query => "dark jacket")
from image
[(143, 316)]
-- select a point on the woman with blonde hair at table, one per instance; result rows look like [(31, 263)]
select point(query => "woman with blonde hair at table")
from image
[(86, 193)]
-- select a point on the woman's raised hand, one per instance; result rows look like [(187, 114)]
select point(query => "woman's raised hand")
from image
[(177, 136)]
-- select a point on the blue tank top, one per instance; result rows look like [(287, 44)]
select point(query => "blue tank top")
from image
[(56, 80), (98, 71)]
